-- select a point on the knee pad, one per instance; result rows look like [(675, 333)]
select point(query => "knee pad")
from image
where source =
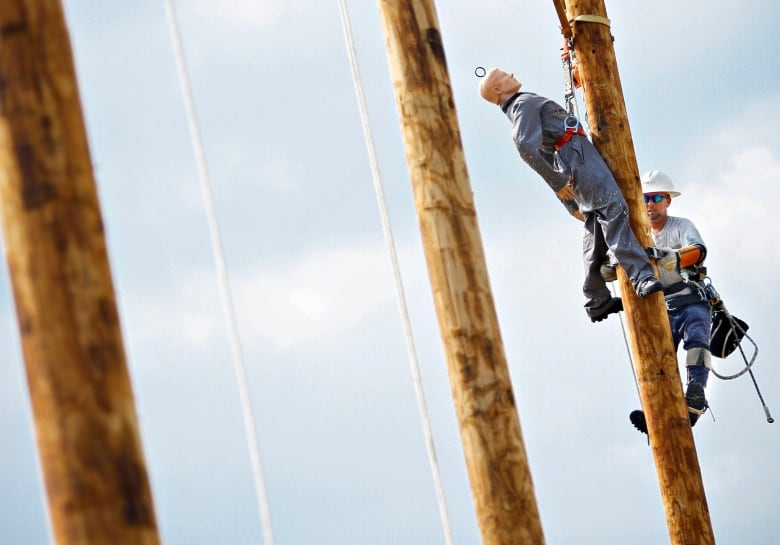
[(698, 357)]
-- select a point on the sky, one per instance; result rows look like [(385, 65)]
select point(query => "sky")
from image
[(339, 431)]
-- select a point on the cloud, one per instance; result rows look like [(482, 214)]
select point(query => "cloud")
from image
[(312, 299), (732, 189), (744, 198), (190, 316), (242, 13), (317, 297)]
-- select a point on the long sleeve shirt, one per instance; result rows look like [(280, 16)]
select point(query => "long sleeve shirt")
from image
[(537, 123)]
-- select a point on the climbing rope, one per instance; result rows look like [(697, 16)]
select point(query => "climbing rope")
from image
[(413, 361), (628, 353), (224, 286)]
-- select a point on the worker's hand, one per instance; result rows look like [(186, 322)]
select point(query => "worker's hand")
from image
[(566, 192), (608, 271), (668, 259), (577, 214)]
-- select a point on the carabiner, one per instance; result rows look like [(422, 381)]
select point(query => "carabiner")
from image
[(571, 123)]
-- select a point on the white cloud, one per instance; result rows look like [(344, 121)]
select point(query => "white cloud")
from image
[(732, 191), (741, 201), (316, 298), (313, 299), (191, 316), (242, 13)]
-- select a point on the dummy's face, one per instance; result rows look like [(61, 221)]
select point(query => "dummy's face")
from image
[(503, 84)]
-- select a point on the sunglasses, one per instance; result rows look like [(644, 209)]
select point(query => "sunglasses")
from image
[(654, 198)]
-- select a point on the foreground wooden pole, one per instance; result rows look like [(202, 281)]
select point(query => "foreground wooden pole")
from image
[(85, 421), (490, 428), (671, 438)]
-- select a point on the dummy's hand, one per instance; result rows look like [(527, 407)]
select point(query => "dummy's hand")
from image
[(566, 192), (669, 259), (608, 271)]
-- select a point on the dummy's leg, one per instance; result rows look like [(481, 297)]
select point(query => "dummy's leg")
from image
[(599, 302), (627, 251), (599, 195)]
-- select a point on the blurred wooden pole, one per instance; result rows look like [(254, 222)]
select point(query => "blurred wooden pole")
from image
[(85, 421), (671, 437), (479, 377)]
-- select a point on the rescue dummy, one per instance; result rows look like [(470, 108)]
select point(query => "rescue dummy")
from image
[(553, 143)]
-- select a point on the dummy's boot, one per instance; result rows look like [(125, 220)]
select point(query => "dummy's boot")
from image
[(648, 285), (613, 305)]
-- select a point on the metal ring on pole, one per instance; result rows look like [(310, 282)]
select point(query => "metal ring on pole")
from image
[(480, 71)]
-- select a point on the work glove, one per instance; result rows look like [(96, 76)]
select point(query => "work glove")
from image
[(566, 192), (668, 258), (608, 271)]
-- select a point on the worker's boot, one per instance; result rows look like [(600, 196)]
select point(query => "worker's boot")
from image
[(697, 402), (638, 420), (698, 363)]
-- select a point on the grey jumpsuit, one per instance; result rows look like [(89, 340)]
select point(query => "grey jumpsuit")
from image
[(537, 123)]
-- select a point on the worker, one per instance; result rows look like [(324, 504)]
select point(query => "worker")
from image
[(554, 144), (680, 252)]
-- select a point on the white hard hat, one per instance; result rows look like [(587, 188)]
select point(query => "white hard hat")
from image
[(655, 181)]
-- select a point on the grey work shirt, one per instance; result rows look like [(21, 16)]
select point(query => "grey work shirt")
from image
[(537, 123), (677, 232)]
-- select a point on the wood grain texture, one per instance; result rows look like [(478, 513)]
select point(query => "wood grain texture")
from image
[(671, 437), (85, 421), (496, 460)]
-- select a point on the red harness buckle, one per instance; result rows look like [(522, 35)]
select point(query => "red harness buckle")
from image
[(564, 139)]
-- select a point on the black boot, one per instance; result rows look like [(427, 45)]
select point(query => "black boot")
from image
[(613, 305), (638, 420), (697, 402)]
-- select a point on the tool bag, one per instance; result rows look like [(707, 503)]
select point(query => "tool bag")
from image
[(726, 333)]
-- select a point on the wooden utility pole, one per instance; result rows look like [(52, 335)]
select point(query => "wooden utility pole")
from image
[(479, 377), (85, 421), (660, 388)]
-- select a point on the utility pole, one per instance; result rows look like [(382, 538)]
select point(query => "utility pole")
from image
[(670, 433), (85, 422), (497, 464)]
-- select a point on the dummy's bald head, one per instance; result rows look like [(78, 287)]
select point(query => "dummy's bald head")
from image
[(498, 85)]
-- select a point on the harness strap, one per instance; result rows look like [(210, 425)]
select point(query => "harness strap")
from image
[(592, 19), (564, 139), (674, 303), (674, 288), (697, 411)]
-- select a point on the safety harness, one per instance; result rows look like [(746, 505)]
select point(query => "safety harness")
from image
[(571, 126), (697, 295)]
